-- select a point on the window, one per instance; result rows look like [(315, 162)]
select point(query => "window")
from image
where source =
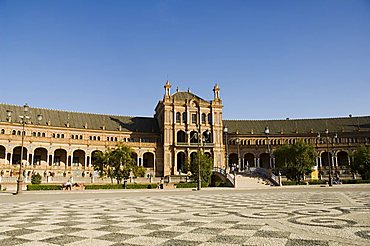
[(194, 118), (13, 132), (43, 134), (80, 136), (178, 117), (98, 138), (209, 119), (184, 118), (73, 136), (62, 136), (58, 135), (53, 135), (90, 137), (203, 118), (2, 131), (39, 134), (34, 134)]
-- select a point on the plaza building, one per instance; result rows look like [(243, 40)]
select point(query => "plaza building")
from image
[(61, 143)]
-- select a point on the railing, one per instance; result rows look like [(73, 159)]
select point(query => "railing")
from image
[(272, 178), (231, 178), (219, 170)]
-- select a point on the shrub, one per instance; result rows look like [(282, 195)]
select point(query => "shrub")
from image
[(355, 181), (142, 186), (190, 185), (44, 187), (36, 178), (104, 186)]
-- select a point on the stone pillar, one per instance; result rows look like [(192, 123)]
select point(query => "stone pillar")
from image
[(255, 162), (6, 157), (32, 159), (11, 158), (85, 164)]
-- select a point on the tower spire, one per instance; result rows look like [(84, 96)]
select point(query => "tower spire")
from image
[(167, 89)]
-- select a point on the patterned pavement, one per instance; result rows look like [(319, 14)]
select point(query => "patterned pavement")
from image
[(259, 218)]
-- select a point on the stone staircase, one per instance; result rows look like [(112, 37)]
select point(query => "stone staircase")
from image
[(243, 181)]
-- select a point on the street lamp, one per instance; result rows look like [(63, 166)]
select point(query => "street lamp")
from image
[(24, 120), (227, 147), (327, 150), (267, 132), (238, 152)]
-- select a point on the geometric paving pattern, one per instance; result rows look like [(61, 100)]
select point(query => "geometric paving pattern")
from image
[(284, 218)]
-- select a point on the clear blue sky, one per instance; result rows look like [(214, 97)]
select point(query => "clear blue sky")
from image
[(272, 59)]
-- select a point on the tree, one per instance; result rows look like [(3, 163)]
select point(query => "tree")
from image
[(297, 159), (115, 163), (36, 178), (206, 164), (361, 162)]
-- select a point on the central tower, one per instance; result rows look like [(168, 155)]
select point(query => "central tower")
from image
[(187, 122)]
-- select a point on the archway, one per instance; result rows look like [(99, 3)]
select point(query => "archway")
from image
[(265, 160), (148, 160), (78, 158), (40, 156), (94, 158), (134, 158), (2, 155), (193, 137), (181, 137), (17, 155), (342, 158), (249, 160), (60, 157), (233, 160), (181, 158), (325, 160)]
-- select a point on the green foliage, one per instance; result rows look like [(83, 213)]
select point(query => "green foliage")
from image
[(190, 185), (36, 178), (206, 164), (361, 163), (355, 181), (139, 171), (44, 187), (103, 186), (117, 163), (142, 186), (120, 186), (297, 159)]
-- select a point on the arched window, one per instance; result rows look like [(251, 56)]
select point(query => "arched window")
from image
[(81, 137), (43, 134), (58, 135), (73, 136), (184, 117), (13, 132), (209, 119), (39, 134), (116, 139), (53, 135), (34, 134), (94, 138), (2, 131), (178, 117), (98, 138), (62, 136), (203, 118), (19, 133)]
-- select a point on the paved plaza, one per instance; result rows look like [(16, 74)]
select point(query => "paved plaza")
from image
[(273, 216)]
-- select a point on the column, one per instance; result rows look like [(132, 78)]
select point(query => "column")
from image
[(85, 164), (6, 157), (52, 159), (137, 160), (154, 166), (255, 161), (11, 158), (28, 158), (258, 162), (335, 161), (32, 159), (90, 162)]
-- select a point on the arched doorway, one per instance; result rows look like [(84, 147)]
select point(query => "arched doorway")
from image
[(342, 158), (17, 155), (325, 160), (148, 160), (233, 160), (249, 160), (193, 137), (265, 160), (181, 136), (134, 158), (94, 158), (60, 157), (78, 158), (2, 155), (40, 157), (181, 158)]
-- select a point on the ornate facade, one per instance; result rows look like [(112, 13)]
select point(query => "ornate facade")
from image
[(63, 143)]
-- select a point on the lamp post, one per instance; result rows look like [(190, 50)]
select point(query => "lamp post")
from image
[(24, 119), (238, 152), (267, 132), (227, 147), (327, 150)]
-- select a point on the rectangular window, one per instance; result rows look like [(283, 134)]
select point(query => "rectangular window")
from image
[(194, 118)]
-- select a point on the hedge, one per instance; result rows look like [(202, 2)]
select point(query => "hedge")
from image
[(190, 185), (355, 181), (44, 187), (104, 186), (120, 186)]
